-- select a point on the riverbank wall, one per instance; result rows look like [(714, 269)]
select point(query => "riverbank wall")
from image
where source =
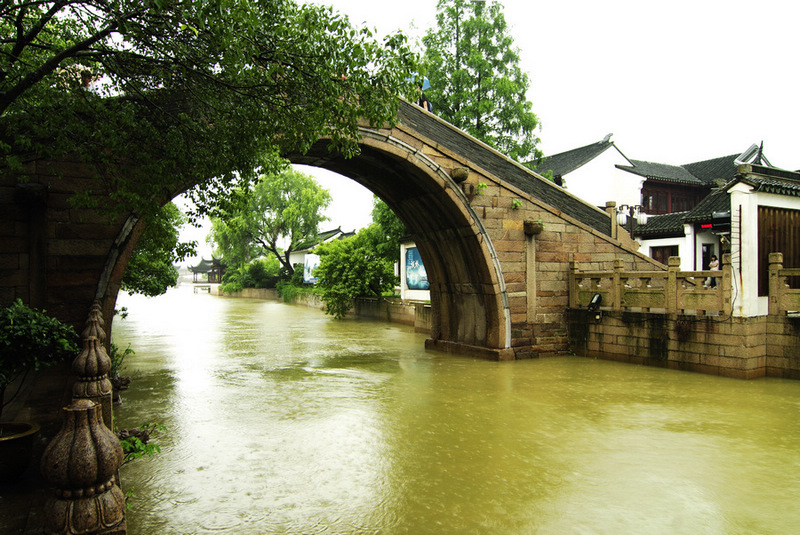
[(739, 347), (413, 313)]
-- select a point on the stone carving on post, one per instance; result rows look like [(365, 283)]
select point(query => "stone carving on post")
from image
[(83, 459), (81, 463), (92, 366)]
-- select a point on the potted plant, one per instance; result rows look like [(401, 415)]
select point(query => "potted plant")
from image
[(29, 341)]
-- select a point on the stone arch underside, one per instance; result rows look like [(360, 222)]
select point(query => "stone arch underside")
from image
[(468, 299)]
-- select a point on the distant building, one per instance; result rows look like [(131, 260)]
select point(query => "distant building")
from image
[(681, 209), (591, 173), (310, 261), (210, 271)]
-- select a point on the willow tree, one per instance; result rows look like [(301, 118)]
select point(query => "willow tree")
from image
[(161, 95), (476, 80), (280, 215)]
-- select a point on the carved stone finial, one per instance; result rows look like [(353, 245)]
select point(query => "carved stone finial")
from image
[(533, 228), (81, 462), (95, 324), (92, 366), (459, 174)]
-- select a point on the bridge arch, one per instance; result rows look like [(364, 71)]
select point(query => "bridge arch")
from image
[(469, 301), (468, 294), (498, 288)]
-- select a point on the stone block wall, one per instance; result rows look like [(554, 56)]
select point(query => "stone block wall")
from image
[(744, 348), (536, 266), (52, 253)]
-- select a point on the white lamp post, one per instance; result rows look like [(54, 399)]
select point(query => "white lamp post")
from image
[(629, 212)]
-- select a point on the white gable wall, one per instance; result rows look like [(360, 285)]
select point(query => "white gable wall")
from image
[(599, 181)]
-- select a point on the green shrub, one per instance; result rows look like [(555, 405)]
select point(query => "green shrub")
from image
[(31, 340)]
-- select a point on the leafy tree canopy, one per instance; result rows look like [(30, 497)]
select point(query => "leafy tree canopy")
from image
[(351, 268), (279, 216), (476, 81), (160, 95), (151, 269), (391, 228)]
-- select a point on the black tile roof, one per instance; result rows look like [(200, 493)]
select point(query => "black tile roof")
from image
[(666, 225), (662, 172), (715, 202), (322, 237), (709, 171), (771, 180), (662, 225), (705, 173), (566, 162)]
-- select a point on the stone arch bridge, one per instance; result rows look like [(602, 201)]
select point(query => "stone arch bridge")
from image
[(496, 238)]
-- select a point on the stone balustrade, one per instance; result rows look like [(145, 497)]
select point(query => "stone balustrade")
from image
[(670, 292)]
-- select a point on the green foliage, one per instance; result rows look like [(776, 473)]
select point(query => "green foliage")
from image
[(392, 229), (31, 340), (129, 494), (516, 204), (476, 81), (262, 273), (118, 358), (351, 268), (480, 187), (548, 175), (187, 90), (282, 209), (151, 269), (136, 443), (287, 291), (292, 286)]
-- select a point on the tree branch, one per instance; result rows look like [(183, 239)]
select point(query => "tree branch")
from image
[(52, 64)]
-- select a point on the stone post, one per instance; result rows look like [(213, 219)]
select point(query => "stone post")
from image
[(775, 265), (674, 266), (81, 462), (531, 229), (611, 210), (727, 274), (92, 365), (573, 284), (616, 284)]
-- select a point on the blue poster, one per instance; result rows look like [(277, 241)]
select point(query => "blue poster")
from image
[(311, 263), (416, 276)]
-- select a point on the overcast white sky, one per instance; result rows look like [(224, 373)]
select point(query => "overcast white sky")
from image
[(675, 82)]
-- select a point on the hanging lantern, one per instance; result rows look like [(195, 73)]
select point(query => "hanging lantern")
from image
[(622, 215)]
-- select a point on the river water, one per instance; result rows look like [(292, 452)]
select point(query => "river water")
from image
[(283, 420)]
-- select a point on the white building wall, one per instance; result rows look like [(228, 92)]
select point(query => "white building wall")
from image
[(684, 250), (744, 246), (599, 181), (705, 237)]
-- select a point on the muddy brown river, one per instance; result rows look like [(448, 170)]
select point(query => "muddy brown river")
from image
[(283, 420)]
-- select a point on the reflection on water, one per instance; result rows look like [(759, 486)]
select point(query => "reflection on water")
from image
[(283, 420)]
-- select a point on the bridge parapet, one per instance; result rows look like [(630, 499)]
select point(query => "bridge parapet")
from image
[(668, 292), (783, 298)]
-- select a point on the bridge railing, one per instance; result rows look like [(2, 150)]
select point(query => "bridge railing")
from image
[(671, 291), (783, 298)]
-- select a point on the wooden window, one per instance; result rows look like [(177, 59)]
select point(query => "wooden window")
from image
[(663, 253), (778, 232)]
